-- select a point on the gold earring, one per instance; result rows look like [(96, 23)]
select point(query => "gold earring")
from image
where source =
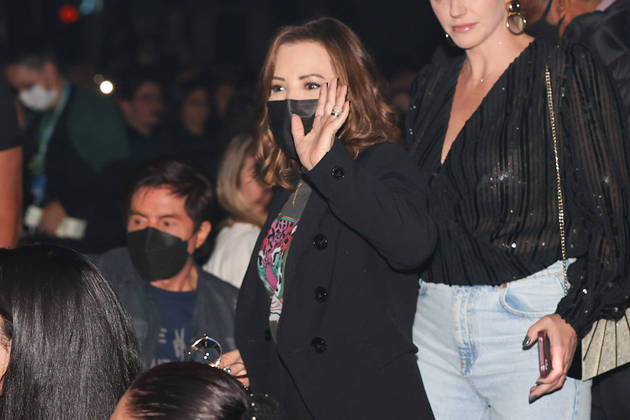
[(515, 21)]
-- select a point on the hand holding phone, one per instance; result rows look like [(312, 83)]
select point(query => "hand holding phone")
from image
[(544, 355)]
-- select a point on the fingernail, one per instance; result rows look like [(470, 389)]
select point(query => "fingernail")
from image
[(538, 383), (526, 342), (533, 398)]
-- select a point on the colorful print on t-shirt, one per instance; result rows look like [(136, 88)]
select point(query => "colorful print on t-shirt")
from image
[(272, 259)]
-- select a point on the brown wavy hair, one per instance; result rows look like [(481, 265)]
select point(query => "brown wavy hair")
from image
[(371, 119)]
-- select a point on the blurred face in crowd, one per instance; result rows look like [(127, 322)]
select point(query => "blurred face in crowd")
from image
[(196, 111), (222, 97), (255, 194), (144, 110), (300, 70), (38, 88), (23, 77), (5, 354), (469, 23), (159, 208)]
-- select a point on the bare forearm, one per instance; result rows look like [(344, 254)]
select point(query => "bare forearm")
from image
[(10, 196)]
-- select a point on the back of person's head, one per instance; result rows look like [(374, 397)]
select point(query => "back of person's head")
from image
[(190, 391), (229, 181), (183, 178), (72, 349)]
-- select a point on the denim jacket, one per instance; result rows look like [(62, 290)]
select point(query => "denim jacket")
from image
[(213, 313)]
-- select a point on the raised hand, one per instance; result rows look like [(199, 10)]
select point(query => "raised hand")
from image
[(332, 111)]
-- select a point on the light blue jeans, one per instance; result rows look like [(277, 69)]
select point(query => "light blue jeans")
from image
[(470, 350)]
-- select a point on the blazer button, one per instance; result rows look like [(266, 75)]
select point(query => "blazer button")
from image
[(321, 294), (319, 344), (337, 173), (320, 241), (267, 335)]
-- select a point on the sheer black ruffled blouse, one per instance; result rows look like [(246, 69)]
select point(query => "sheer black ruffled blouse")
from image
[(494, 199)]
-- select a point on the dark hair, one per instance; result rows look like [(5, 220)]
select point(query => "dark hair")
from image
[(73, 352), (186, 87), (31, 57), (371, 119), (130, 81), (187, 391), (183, 178)]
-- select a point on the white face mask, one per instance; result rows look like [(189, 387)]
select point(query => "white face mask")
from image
[(38, 98)]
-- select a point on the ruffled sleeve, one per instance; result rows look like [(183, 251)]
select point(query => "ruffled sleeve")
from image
[(596, 187)]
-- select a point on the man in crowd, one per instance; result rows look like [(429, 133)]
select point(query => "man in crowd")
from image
[(73, 139), (602, 26), (10, 170), (142, 104), (170, 299)]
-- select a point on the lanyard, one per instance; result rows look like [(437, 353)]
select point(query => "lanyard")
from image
[(45, 132)]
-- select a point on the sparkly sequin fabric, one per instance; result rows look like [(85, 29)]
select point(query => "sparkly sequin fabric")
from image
[(494, 197)]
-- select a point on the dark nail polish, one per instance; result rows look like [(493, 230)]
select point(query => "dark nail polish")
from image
[(526, 342), (533, 398), (538, 383)]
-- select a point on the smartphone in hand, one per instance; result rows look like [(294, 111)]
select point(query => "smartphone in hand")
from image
[(544, 355)]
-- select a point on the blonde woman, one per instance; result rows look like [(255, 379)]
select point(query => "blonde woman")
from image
[(245, 199), (480, 129)]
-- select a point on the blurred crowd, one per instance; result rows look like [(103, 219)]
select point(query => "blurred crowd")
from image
[(80, 140), (78, 144)]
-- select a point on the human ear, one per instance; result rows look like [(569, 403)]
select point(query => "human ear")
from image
[(202, 233)]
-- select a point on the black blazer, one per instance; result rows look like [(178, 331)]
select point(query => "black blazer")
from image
[(345, 334)]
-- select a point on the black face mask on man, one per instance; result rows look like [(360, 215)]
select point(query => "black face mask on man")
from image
[(155, 254), (279, 116), (543, 29)]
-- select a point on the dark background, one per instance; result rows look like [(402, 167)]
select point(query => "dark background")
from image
[(227, 36)]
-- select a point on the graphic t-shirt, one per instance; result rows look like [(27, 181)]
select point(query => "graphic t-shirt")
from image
[(274, 250), (175, 335)]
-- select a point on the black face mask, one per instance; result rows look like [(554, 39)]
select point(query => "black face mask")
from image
[(279, 114), (543, 29), (156, 255)]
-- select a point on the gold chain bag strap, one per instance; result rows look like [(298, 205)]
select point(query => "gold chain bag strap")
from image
[(607, 345)]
